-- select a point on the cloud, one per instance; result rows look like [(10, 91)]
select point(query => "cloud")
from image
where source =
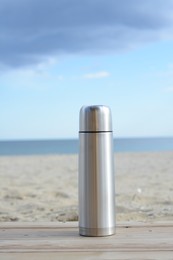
[(169, 89), (97, 75), (32, 31)]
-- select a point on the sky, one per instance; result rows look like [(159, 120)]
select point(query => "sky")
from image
[(58, 55)]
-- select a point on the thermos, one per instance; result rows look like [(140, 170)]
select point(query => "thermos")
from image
[(96, 172)]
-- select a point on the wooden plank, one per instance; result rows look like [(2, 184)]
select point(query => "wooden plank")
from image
[(89, 256), (52, 240)]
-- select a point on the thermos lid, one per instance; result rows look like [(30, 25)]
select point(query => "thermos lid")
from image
[(95, 119)]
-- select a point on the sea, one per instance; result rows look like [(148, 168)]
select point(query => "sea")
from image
[(70, 146)]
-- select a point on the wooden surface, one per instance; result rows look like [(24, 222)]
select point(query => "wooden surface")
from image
[(52, 240)]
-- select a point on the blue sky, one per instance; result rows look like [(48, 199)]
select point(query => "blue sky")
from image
[(65, 54)]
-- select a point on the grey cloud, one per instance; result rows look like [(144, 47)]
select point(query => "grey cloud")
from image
[(31, 30)]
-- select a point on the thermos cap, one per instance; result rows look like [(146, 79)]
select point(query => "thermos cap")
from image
[(95, 118)]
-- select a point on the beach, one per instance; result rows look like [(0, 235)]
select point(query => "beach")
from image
[(45, 188)]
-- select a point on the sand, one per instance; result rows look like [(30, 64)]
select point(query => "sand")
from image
[(44, 188)]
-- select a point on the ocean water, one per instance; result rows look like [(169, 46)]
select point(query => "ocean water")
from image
[(70, 146)]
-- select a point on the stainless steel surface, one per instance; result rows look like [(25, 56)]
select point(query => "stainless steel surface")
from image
[(97, 232), (96, 176), (95, 118)]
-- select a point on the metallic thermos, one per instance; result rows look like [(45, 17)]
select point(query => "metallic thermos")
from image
[(96, 172)]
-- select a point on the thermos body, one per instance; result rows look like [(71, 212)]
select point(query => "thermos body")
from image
[(96, 172)]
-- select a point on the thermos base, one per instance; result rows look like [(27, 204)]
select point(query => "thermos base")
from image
[(96, 232)]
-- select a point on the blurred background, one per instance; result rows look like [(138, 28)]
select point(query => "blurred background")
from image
[(56, 56)]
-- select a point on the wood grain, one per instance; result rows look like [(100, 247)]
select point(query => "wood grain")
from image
[(62, 241)]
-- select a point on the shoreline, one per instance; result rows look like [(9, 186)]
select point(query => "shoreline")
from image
[(45, 187)]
